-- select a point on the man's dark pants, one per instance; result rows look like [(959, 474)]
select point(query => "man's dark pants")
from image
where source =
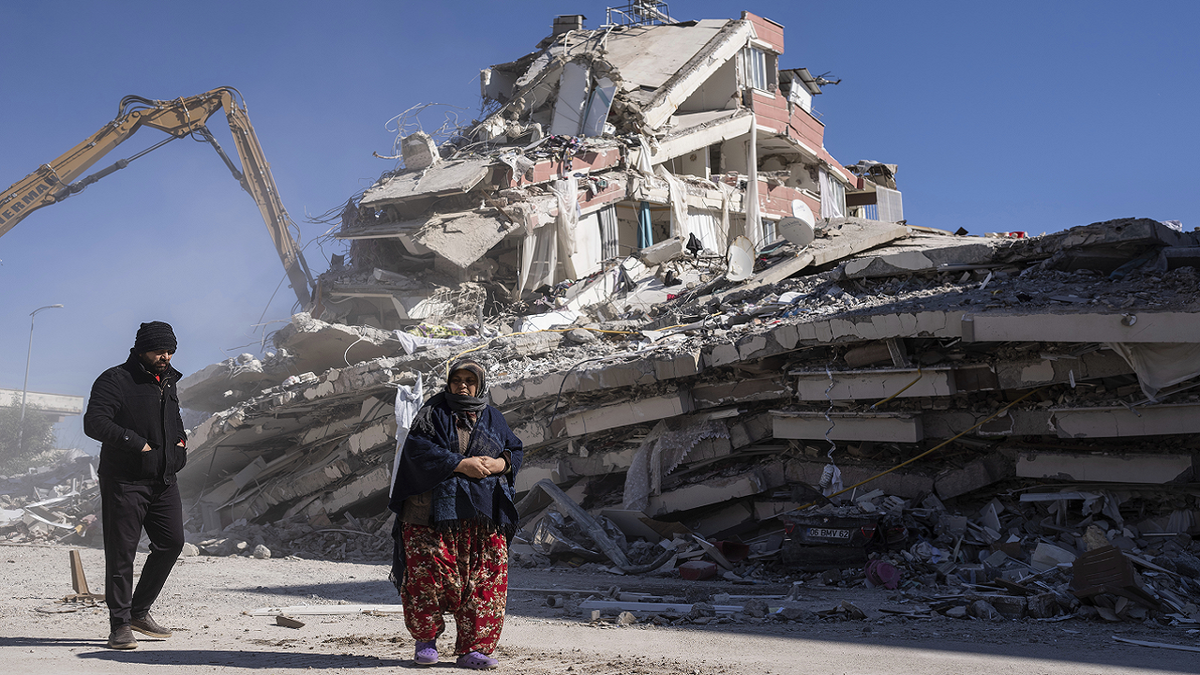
[(125, 509)]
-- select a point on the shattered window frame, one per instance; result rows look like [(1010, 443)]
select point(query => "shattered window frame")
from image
[(755, 68)]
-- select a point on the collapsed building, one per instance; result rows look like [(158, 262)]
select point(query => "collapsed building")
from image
[(699, 322)]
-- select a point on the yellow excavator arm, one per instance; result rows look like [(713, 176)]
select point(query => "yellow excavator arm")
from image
[(51, 183)]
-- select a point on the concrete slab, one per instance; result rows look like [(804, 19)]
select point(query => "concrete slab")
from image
[(448, 177), (621, 414), (730, 393), (1114, 422), (921, 253), (975, 475), (1069, 327), (717, 490), (1131, 468), (895, 427), (875, 384)]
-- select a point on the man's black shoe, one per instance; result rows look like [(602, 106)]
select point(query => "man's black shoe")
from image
[(148, 626), (122, 638)]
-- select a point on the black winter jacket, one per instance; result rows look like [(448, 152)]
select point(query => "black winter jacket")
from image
[(128, 409)]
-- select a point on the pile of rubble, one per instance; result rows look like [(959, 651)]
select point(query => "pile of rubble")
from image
[(59, 502), (718, 415), (720, 347)]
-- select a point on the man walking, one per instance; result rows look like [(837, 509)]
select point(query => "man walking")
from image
[(134, 413)]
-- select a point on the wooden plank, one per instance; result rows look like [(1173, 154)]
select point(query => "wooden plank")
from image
[(78, 579)]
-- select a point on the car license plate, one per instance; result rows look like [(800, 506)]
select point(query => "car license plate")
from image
[(828, 534)]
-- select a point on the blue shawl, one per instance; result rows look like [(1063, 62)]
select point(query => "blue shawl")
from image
[(427, 462)]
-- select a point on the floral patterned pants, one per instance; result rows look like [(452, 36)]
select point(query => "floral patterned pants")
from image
[(463, 572)]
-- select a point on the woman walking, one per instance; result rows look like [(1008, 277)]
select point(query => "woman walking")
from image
[(453, 496)]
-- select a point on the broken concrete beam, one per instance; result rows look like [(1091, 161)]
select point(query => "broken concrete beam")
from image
[(530, 474), (621, 414), (596, 378), (454, 176), (1133, 468), (596, 463), (716, 490), (224, 384), (1122, 231), (873, 384), (748, 430), (844, 237), (1073, 327), (530, 345), (922, 253), (1013, 422), (419, 151), (362, 488), (739, 391), (1060, 368), (1113, 422), (880, 326), (895, 427), (977, 474), (661, 252), (316, 346)]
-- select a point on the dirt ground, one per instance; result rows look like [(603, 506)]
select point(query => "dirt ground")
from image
[(208, 602)]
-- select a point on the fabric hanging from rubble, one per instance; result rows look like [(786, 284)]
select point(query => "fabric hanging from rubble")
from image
[(408, 401), (566, 192), (677, 194), (539, 258), (830, 206), (753, 218), (727, 192), (1159, 366), (643, 161)]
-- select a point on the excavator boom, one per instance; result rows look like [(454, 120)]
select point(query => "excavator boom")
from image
[(51, 183)]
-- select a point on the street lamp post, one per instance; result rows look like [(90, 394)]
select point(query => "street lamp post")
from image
[(25, 387)]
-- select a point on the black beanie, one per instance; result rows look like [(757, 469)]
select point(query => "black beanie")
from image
[(154, 336)]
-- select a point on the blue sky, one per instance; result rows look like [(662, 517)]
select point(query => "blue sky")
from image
[(1032, 116)]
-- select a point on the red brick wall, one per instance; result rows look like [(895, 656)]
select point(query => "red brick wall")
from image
[(770, 112), (767, 30), (805, 128)]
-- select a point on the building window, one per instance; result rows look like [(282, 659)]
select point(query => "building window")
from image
[(758, 68), (609, 238)]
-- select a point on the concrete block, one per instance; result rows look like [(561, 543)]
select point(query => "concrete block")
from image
[(750, 430), (715, 491), (1133, 468), (1164, 418), (733, 392), (874, 385), (977, 474), (684, 364), (622, 414), (787, 336), (721, 355), (755, 346), (1049, 327), (895, 427)]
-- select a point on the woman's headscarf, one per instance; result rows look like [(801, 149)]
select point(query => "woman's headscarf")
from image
[(460, 403)]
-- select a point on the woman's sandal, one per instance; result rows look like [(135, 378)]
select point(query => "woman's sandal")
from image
[(427, 654), (477, 661)]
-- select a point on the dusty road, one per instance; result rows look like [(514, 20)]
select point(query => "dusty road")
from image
[(207, 601)]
